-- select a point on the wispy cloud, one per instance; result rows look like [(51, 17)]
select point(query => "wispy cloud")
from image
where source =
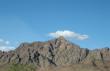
[(5, 45), (69, 34)]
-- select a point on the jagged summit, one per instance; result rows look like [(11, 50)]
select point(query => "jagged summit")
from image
[(61, 38)]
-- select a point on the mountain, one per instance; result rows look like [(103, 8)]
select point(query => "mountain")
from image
[(57, 53)]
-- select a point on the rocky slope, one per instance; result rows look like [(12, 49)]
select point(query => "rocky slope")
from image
[(57, 52)]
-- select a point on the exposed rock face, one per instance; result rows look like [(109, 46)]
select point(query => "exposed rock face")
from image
[(57, 52)]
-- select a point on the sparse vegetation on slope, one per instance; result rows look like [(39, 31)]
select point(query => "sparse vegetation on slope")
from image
[(76, 67)]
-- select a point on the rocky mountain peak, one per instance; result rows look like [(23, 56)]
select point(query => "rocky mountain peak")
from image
[(61, 38), (57, 52)]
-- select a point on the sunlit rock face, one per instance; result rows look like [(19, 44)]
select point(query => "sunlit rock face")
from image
[(56, 52)]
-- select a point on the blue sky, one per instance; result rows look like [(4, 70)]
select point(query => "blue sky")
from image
[(33, 20)]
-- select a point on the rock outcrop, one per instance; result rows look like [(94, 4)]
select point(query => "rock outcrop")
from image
[(56, 52)]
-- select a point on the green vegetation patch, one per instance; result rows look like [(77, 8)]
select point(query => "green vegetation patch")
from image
[(21, 67)]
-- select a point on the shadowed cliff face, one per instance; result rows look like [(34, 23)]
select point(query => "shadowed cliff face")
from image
[(57, 52)]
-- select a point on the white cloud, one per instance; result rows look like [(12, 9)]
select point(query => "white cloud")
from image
[(69, 34), (5, 45)]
